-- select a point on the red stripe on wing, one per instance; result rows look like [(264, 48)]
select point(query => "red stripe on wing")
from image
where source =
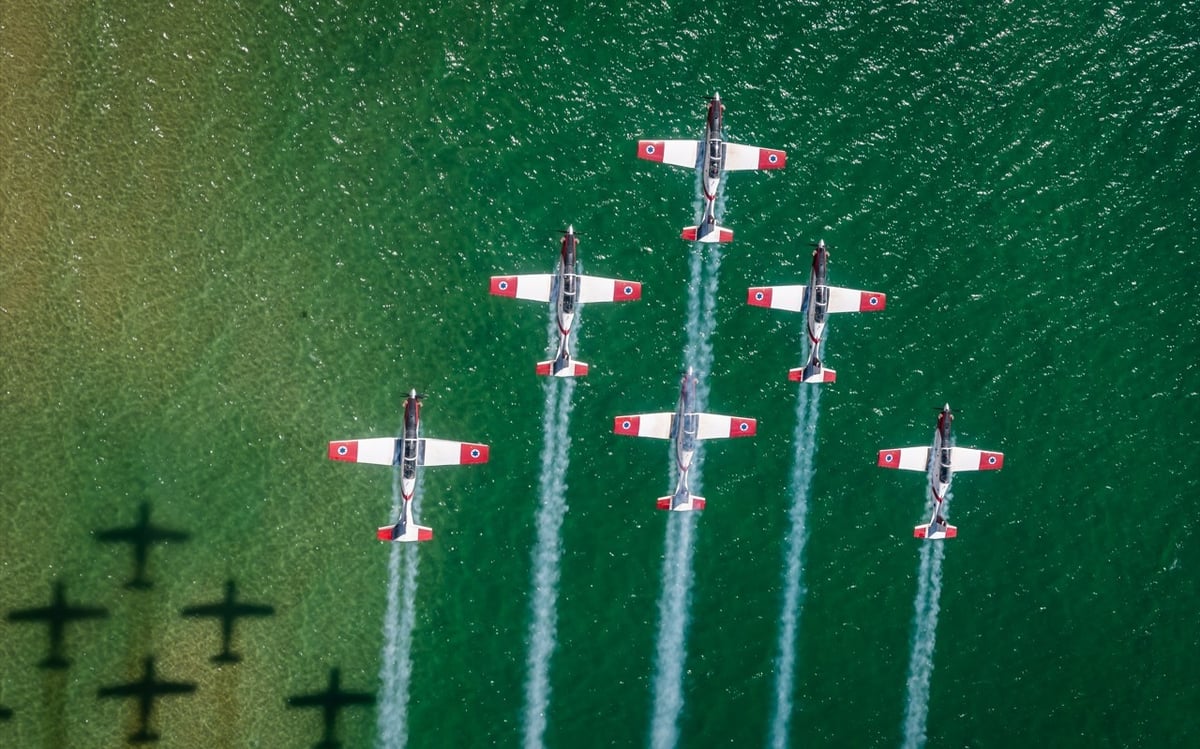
[(771, 158), (504, 285), (346, 450), (627, 425), (651, 150)]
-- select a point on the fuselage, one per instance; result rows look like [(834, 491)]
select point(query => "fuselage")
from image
[(941, 456), (683, 431), (713, 162), (816, 300), (410, 445), (566, 286)]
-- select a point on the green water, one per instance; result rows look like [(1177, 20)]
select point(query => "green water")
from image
[(230, 232)]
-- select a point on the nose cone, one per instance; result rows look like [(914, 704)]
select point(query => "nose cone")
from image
[(570, 228)]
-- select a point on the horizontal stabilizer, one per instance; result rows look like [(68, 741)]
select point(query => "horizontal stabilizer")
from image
[(692, 503), (939, 532), (812, 374), (571, 368), (708, 234), (412, 533)]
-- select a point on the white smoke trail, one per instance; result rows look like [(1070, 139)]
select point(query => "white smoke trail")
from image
[(552, 506), (805, 442), (926, 606), (671, 648), (395, 670)]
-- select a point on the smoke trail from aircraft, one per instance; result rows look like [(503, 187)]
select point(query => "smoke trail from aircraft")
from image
[(926, 606), (395, 669), (673, 615), (805, 442), (552, 506)]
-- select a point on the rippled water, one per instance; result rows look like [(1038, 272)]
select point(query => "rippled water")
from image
[(230, 234)]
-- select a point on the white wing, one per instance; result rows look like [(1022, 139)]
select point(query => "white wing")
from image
[(853, 300), (970, 459), (905, 458), (714, 426), (450, 453), (380, 451), (790, 298), (656, 426), (596, 289), (534, 287), (739, 157), (677, 152)]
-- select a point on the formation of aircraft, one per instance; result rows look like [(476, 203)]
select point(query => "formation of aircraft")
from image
[(712, 156), (818, 299), (142, 535), (941, 462), (57, 616), (566, 289), (410, 451), (331, 701), (228, 610), (685, 427), (146, 690)]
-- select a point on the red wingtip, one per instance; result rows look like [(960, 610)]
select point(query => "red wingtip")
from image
[(504, 286), (386, 533), (543, 368), (626, 424), (759, 296), (346, 450), (473, 453), (664, 503)]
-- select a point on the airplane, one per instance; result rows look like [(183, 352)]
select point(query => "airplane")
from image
[(684, 427), (56, 616), (409, 451), (713, 157), (331, 701), (818, 299), (141, 535), (228, 611), (566, 289), (146, 690), (941, 462)]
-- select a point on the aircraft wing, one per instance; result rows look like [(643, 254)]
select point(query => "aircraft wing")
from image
[(534, 287), (656, 426), (790, 298), (853, 300), (380, 451), (738, 157), (677, 152), (905, 458), (713, 426), (595, 289), (968, 459), (450, 453)]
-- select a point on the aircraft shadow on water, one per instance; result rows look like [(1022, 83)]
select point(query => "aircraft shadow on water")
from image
[(228, 610), (146, 690), (331, 701), (56, 616), (142, 535)]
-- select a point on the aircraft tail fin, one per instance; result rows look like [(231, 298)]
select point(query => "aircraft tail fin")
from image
[(707, 233), (560, 368), (934, 532), (691, 503), (398, 532)]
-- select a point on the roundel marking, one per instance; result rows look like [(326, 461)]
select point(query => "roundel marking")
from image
[(503, 285), (650, 148), (474, 452), (992, 460), (628, 290), (626, 424), (773, 158), (342, 450), (889, 457), (743, 426), (873, 301), (758, 296)]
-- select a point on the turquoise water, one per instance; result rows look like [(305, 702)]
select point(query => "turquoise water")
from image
[(231, 233)]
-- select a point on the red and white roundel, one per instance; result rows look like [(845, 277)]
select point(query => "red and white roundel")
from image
[(771, 158), (504, 286), (627, 424), (869, 301), (651, 150), (739, 427), (759, 296), (347, 451), (889, 458)]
